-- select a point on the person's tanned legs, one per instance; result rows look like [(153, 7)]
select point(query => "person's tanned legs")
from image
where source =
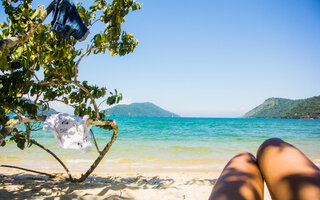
[(288, 173), (240, 179)]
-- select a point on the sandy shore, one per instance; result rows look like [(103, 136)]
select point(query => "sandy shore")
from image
[(24, 185), (16, 184)]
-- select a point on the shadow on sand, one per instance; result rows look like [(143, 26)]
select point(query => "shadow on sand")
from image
[(26, 186)]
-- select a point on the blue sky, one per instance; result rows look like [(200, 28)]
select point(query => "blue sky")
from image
[(215, 58)]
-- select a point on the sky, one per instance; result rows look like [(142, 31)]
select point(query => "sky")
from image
[(214, 58)]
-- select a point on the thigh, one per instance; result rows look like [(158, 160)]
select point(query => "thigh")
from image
[(288, 173), (240, 179)]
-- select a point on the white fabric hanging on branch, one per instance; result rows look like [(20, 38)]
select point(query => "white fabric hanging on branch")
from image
[(70, 132)]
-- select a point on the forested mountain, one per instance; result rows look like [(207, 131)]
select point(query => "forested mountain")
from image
[(139, 110), (287, 108), (272, 108), (309, 108)]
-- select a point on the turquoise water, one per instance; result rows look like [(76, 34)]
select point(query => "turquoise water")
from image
[(190, 143)]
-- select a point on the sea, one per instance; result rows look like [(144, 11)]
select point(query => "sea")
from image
[(164, 144)]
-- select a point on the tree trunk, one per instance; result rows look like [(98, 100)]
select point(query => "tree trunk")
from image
[(12, 123)]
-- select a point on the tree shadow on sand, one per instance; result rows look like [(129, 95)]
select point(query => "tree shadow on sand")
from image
[(26, 186)]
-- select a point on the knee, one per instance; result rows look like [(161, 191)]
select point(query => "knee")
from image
[(269, 143), (244, 157)]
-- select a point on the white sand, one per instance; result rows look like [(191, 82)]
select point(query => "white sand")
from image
[(16, 184)]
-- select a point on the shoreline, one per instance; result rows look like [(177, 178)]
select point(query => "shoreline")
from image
[(152, 159)]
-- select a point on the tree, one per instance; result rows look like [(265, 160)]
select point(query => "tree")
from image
[(36, 63)]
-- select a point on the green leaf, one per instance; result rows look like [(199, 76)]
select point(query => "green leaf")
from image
[(18, 52), (3, 25), (3, 62), (21, 144)]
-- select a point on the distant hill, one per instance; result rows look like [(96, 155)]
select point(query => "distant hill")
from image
[(286, 108), (272, 108), (139, 110), (307, 109)]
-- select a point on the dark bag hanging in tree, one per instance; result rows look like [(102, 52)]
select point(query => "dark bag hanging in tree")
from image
[(67, 22)]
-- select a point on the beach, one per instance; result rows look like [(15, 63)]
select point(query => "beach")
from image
[(153, 158), (16, 184), (115, 185), (159, 100)]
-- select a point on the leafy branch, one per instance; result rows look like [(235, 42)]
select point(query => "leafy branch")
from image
[(11, 41), (36, 63)]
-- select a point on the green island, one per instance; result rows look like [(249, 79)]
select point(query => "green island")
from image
[(146, 109), (287, 108)]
